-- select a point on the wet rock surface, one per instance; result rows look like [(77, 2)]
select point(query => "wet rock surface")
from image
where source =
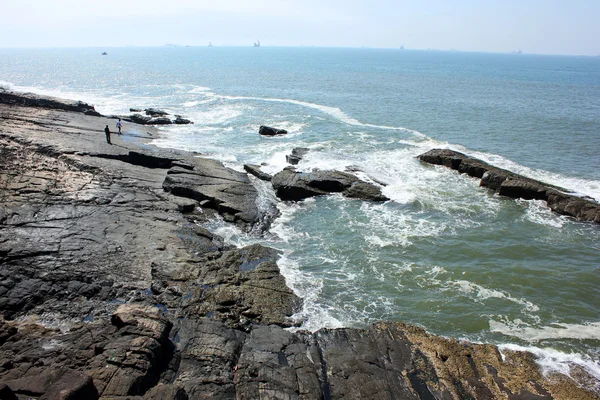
[(513, 185), (255, 170), (290, 184), (111, 288)]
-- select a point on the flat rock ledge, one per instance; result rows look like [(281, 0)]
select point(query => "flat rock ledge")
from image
[(110, 288), (290, 184), (34, 100), (513, 185)]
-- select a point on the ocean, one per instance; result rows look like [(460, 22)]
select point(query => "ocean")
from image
[(444, 253)]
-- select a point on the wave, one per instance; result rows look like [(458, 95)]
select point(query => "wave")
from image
[(335, 112)]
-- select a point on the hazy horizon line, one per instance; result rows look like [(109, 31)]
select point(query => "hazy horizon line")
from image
[(399, 48)]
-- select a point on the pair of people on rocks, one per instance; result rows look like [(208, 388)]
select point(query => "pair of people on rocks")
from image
[(107, 131)]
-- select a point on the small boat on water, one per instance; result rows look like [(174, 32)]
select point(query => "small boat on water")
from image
[(104, 53), (257, 43)]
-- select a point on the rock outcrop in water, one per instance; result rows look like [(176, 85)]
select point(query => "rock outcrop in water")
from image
[(269, 131), (297, 154), (290, 184), (513, 185), (111, 289)]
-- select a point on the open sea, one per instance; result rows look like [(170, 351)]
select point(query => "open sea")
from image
[(444, 253)]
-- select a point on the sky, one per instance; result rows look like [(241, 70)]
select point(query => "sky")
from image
[(533, 26)]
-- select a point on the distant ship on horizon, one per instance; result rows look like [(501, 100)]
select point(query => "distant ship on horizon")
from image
[(210, 44), (402, 47), (257, 43)]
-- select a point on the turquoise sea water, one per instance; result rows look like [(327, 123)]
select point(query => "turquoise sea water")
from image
[(444, 253)]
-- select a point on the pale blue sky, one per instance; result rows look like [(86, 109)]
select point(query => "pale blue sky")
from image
[(535, 26)]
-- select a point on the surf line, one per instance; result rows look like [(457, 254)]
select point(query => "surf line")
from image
[(332, 111)]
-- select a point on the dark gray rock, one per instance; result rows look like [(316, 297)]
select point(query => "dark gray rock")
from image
[(54, 383), (208, 353), (290, 184), (154, 112), (296, 155), (179, 120), (135, 110), (138, 119), (255, 170), (513, 185), (365, 191), (33, 100), (228, 192), (6, 393), (166, 392), (271, 354), (269, 131), (160, 121), (72, 385)]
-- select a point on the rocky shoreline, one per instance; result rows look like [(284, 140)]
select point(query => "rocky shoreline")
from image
[(111, 289)]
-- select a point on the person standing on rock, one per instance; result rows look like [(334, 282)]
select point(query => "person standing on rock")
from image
[(107, 131), (119, 125)]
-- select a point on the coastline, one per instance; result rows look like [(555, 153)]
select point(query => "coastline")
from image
[(223, 305)]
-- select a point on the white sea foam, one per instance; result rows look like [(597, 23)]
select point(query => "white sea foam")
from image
[(538, 212), (6, 85), (392, 229), (335, 112), (281, 227), (199, 90), (554, 361), (555, 331), (313, 315), (217, 115), (481, 293)]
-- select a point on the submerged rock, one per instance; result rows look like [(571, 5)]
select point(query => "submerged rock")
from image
[(296, 155), (268, 131), (513, 185), (290, 184)]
